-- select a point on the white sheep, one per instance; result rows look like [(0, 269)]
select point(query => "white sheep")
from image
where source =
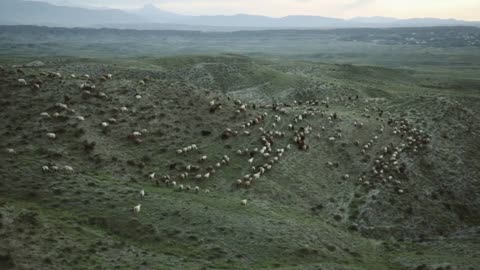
[(68, 168), (142, 193), (11, 151), (104, 124), (138, 96), (136, 209), (250, 160), (22, 82), (62, 106), (80, 118), (243, 202), (51, 136), (124, 109), (152, 175), (45, 169)]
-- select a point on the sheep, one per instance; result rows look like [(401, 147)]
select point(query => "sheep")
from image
[(243, 108), (196, 189), (250, 160), (142, 193), (138, 96), (73, 76), (109, 76), (124, 109), (61, 106), (68, 168), (86, 86), (104, 124), (45, 114), (141, 82), (203, 158), (51, 136), (10, 151), (80, 118), (45, 169), (152, 175), (180, 188), (136, 134), (239, 182), (22, 82), (136, 209), (206, 176), (243, 202)]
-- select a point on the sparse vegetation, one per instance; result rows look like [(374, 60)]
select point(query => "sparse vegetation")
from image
[(316, 204)]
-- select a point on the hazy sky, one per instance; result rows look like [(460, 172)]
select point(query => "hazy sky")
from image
[(460, 9)]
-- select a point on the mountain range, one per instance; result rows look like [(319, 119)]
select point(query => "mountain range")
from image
[(150, 17)]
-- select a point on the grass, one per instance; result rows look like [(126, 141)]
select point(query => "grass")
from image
[(300, 215)]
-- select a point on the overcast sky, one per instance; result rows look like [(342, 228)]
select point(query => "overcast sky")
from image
[(460, 9)]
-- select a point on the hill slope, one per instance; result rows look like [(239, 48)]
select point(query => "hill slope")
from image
[(308, 213)]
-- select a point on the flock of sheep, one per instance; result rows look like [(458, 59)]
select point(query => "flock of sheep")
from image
[(274, 140)]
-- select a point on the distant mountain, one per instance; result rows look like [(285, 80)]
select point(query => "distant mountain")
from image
[(156, 15), (40, 13), (374, 20), (150, 17)]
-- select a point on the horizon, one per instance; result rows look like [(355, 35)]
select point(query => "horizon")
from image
[(467, 10)]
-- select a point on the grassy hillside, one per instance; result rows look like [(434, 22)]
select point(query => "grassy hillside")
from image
[(300, 214)]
